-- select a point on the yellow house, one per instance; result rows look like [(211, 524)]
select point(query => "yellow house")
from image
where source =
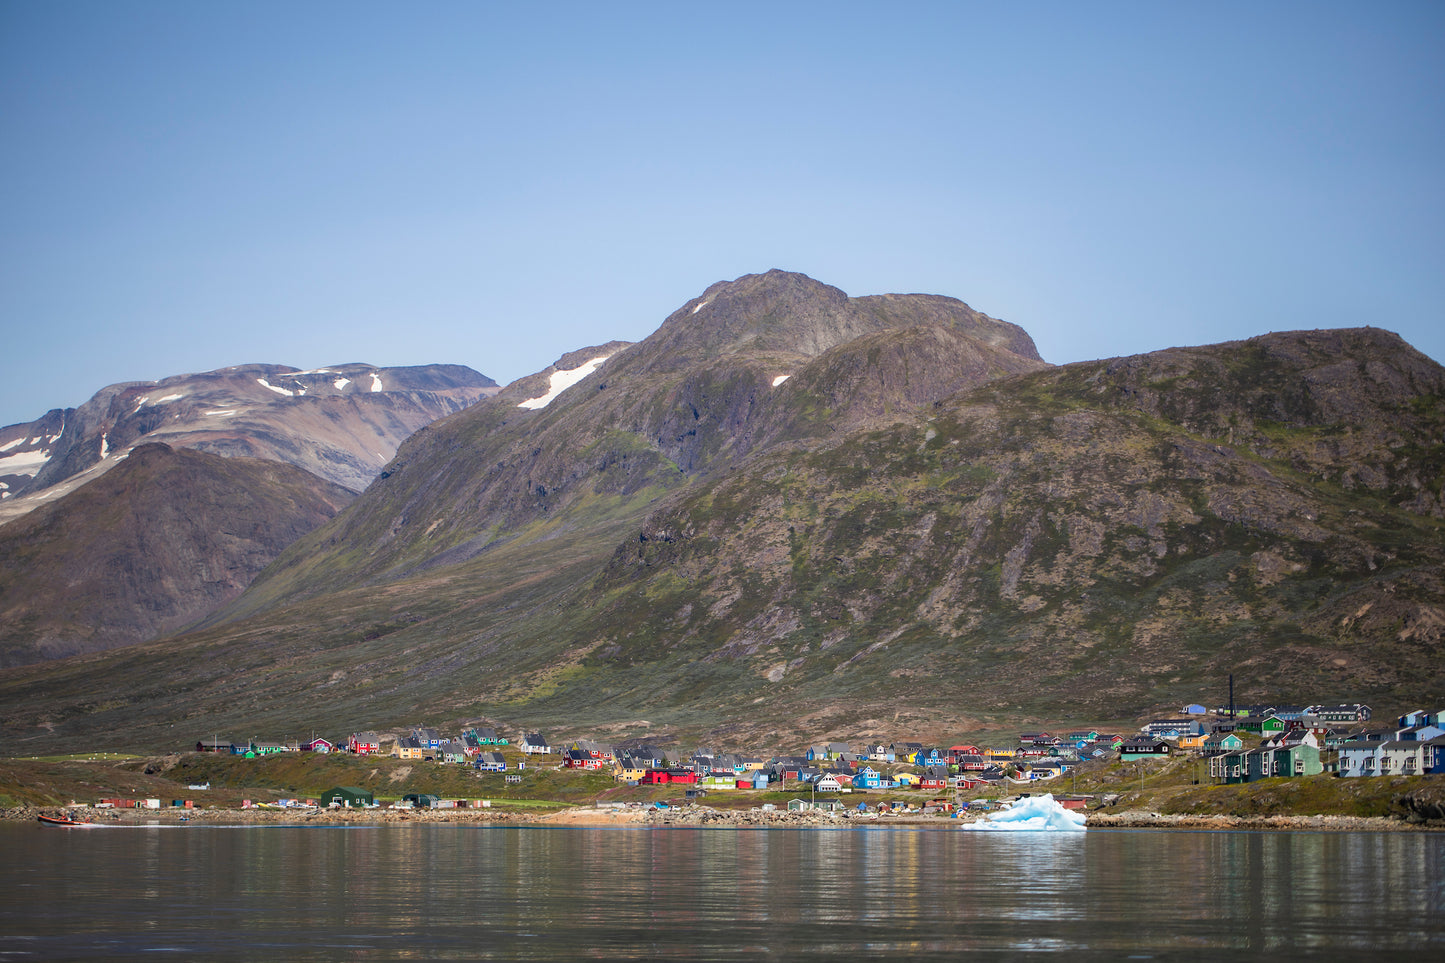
[(1192, 742), (906, 779), (622, 773), (408, 748)]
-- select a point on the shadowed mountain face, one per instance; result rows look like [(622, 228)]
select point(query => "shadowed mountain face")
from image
[(151, 546), (789, 512), (342, 423)]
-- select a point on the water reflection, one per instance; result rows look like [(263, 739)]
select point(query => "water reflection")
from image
[(490, 892)]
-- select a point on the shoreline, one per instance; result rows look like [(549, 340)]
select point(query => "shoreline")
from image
[(584, 817)]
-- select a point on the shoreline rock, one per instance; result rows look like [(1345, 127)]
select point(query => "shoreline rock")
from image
[(1140, 819), (689, 816)]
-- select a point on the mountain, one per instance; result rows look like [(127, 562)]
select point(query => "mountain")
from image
[(342, 423), (790, 513), (765, 360), (1109, 534), (147, 548)]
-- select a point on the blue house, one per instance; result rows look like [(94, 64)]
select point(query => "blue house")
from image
[(1421, 718), (867, 778)]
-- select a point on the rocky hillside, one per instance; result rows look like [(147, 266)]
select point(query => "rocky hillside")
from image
[(1104, 534), (752, 363), (790, 512), (148, 548), (342, 423)]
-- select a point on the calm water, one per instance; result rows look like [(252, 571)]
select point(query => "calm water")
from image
[(487, 892)]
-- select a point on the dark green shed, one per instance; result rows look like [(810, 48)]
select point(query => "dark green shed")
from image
[(347, 796)]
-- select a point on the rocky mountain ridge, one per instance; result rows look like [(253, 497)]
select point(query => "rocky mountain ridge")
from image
[(342, 423)]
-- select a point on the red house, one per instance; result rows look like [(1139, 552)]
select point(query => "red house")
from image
[(580, 759), (660, 777), (363, 743)]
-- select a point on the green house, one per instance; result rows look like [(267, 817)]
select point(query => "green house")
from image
[(347, 797), (1266, 762), (1223, 742), (1298, 760), (1272, 726)]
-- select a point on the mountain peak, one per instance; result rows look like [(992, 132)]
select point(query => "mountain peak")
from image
[(790, 313)]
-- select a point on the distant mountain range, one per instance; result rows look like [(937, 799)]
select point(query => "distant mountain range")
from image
[(791, 513), (342, 423)]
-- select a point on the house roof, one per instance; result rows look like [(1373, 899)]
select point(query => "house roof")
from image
[(1143, 743)]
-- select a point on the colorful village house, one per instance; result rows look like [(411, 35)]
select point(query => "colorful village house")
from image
[(1143, 748), (363, 743)]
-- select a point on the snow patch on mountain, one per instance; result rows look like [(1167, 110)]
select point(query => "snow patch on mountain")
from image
[(23, 462), (280, 391), (780, 379), (376, 382), (341, 383), (561, 381)]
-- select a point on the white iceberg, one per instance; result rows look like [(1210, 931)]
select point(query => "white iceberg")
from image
[(1033, 814)]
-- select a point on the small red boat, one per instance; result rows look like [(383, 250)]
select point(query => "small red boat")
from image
[(62, 821)]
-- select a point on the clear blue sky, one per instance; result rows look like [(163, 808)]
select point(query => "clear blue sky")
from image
[(185, 186)]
